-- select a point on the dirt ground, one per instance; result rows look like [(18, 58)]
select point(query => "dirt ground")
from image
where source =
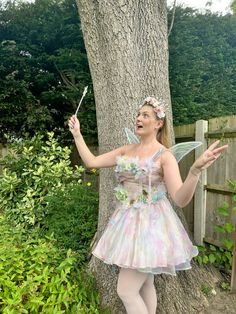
[(223, 302), (220, 300)]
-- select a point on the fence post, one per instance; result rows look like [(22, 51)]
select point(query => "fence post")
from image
[(200, 193)]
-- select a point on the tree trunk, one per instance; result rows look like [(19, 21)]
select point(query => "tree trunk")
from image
[(127, 49)]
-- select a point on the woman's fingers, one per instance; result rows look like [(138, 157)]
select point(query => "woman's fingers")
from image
[(213, 148), (213, 151), (213, 145), (220, 149), (73, 124), (210, 155)]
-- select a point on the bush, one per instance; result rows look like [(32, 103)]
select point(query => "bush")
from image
[(37, 277), (72, 218), (33, 170)]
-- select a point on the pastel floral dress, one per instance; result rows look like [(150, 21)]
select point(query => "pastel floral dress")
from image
[(144, 232)]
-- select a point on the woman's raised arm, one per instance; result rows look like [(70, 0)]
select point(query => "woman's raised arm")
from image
[(182, 192), (89, 159)]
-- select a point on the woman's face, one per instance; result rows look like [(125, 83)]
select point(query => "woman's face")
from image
[(146, 121)]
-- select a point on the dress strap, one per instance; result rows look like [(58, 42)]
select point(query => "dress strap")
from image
[(158, 153)]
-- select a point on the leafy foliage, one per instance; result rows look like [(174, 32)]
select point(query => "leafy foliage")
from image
[(202, 65), (72, 218), (33, 170), (44, 67), (37, 277), (51, 220), (39, 42)]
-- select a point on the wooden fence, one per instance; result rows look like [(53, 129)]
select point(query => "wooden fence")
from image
[(212, 191)]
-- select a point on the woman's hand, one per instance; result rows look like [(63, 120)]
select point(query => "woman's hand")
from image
[(208, 157), (74, 125)]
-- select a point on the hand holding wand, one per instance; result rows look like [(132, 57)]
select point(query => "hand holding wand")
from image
[(74, 117)]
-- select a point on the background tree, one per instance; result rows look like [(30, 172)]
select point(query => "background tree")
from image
[(202, 65), (127, 50), (39, 40)]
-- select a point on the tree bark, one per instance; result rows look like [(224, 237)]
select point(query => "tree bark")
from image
[(127, 49)]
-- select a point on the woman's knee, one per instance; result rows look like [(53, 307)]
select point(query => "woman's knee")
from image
[(125, 294), (149, 282), (129, 283)]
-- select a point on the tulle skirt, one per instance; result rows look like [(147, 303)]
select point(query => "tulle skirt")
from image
[(149, 238)]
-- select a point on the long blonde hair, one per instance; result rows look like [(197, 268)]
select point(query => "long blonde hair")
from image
[(163, 134)]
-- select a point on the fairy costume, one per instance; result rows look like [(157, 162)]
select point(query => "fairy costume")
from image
[(144, 232)]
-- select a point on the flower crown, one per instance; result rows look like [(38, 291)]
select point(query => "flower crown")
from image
[(157, 104)]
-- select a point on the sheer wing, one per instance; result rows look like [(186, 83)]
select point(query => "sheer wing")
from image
[(178, 150), (182, 149), (131, 137)]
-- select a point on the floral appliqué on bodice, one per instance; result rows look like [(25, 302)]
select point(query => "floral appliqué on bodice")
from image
[(140, 181)]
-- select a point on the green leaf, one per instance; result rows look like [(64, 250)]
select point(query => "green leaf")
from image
[(225, 286), (201, 248), (212, 258), (222, 211), (228, 243), (219, 228), (212, 248), (205, 259), (231, 184), (229, 227)]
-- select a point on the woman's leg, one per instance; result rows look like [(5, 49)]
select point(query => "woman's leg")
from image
[(129, 284), (148, 293)]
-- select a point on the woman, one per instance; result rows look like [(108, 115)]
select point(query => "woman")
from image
[(144, 236)]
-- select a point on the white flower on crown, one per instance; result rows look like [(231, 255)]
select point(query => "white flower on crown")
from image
[(157, 104)]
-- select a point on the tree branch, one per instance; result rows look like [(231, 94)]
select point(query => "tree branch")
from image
[(173, 17)]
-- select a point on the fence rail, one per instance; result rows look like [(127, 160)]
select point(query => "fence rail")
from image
[(212, 190)]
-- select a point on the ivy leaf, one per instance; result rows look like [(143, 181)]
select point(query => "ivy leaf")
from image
[(228, 243), (201, 248), (212, 258), (219, 229), (231, 184), (212, 248), (229, 227), (205, 259), (222, 211)]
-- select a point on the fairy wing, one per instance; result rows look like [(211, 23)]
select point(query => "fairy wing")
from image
[(131, 137), (182, 149), (178, 150)]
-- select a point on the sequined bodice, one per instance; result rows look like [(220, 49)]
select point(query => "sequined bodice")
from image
[(139, 181)]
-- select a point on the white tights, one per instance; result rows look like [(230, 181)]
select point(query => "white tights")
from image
[(137, 291)]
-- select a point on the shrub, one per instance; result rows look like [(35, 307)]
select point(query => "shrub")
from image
[(33, 170), (37, 277), (72, 217)]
